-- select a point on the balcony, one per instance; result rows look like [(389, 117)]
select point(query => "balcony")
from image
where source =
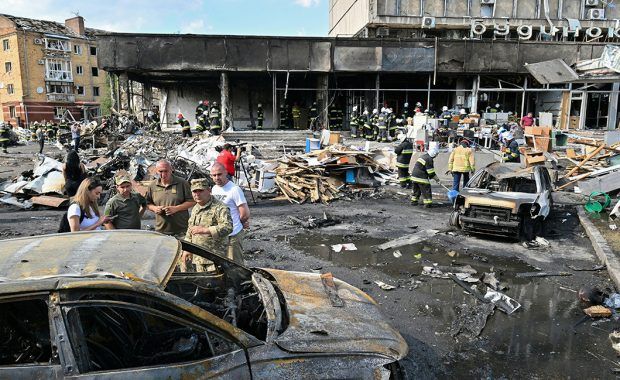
[(61, 98), (62, 76)]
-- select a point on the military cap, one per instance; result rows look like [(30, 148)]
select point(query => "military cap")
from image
[(122, 179), (201, 184)]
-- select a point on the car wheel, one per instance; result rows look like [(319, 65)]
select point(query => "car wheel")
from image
[(455, 219)]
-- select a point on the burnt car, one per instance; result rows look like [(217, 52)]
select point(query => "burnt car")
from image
[(109, 304), (504, 199)]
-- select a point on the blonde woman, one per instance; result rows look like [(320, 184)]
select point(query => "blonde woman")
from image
[(83, 214)]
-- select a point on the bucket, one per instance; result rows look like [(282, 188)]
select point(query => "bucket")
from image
[(452, 194), (312, 144), (594, 204)]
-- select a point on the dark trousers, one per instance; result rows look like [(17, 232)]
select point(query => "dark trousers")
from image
[(187, 133), (216, 130), (76, 144), (403, 177), (41, 143), (422, 190), (456, 179), (5, 145)]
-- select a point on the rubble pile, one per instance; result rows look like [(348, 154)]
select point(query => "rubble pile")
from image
[(319, 176)]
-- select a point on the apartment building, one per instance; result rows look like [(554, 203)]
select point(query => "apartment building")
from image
[(47, 70)]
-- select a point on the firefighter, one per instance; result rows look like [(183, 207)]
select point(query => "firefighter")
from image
[(314, 114), (511, 149), (33, 131), (203, 122), (382, 125), (418, 108), (260, 116), (406, 113), (333, 117), (423, 172), (374, 118), (4, 137), (354, 122), (404, 152), (340, 119), (203, 106), (460, 164), (215, 119), (296, 113), (446, 116), (391, 124), (282, 117), (184, 124)]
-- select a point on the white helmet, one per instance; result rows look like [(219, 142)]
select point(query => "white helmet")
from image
[(462, 111), (406, 104), (496, 105), (382, 109), (433, 152), (418, 104), (389, 110), (199, 102), (444, 108), (426, 110), (354, 108), (205, 113), (260, 105), (508, 136), (374, 110), (365, 112)]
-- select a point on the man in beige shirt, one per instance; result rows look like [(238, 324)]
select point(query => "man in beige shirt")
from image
[(169, 198)]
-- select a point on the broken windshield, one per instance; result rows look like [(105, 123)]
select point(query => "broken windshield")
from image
[(517, 184)]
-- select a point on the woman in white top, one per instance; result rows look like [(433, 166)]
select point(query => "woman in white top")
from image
[(86, 199)]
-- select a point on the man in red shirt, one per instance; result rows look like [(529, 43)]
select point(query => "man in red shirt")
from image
[(228, 159), (527, 121)]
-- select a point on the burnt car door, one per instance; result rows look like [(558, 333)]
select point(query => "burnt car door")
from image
[(544, 191), (27, 348), (127, 336)]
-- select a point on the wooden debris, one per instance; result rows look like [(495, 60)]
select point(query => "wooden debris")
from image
[(597, 311)]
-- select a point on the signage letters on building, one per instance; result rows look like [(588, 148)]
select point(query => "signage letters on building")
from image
[(526, 32)]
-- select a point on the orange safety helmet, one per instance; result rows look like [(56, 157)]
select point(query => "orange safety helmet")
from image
[(180, 116)]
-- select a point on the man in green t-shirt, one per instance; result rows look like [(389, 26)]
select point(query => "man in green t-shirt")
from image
[(126, 207)]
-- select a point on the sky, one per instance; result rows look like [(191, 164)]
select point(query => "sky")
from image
[(245, 17)]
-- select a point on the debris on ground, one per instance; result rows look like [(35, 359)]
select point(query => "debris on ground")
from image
[(397, 254), (344, 247), (314, 222), (591, 295), (408, 240), (470, 320), (384, 286), (542, 274), (594, 268), (613, 301), (614, 337), (597, 311), (502, 301)]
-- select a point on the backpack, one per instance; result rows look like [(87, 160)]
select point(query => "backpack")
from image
[(64, 221)]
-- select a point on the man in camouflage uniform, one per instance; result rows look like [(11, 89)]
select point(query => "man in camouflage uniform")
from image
[(209, 225)]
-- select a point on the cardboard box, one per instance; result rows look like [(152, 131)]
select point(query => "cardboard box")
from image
[(335, 138), (535, 160)]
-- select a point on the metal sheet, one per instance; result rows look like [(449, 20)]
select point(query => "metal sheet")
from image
[(417, 59), (320, 56), (611, 57), (316, 326), (554, 71), (353, 58), (45, 200), (143, 255)]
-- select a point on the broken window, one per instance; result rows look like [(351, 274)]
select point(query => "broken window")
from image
[(79, 70), (8, 66), (79, 90), (25, 333), (56, 44), (58, 69), (5, 45), (94, 71), (77, 49), (123, 335), (95, 91), (10, 89), (93, 50), (518, 184)]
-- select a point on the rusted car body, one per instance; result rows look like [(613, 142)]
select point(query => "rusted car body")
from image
[(108, 304), (504, 199)]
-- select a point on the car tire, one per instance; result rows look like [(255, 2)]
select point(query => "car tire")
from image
[(455, 219)]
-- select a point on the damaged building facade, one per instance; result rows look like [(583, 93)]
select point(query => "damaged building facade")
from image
[(467, 54), (48, 68)]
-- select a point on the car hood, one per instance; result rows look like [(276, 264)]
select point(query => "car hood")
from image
[(512, 200), (317, 326)]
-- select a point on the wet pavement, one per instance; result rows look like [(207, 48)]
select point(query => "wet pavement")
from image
[(547, 337)]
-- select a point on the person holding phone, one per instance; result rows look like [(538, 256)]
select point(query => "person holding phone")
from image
[(126, 208)]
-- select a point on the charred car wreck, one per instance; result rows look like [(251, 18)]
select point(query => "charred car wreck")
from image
[(505, 200), (108, 304)]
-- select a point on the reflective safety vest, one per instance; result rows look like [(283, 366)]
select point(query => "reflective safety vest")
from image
[(260, 114), (404, 152), (4, 133)]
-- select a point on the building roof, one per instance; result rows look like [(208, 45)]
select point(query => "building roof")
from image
[(50, 27)]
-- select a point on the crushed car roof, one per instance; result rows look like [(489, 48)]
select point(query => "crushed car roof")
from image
[(501, 170), (129, 254)]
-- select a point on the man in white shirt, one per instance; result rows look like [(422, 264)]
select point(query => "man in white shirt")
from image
[(232, 196)]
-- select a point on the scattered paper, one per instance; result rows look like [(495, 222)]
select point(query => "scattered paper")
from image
[(397, 254), (384, 286), (502, 301), (344, 247), (613, 227)]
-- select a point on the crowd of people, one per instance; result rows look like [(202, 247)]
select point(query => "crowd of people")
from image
[(219, 210)]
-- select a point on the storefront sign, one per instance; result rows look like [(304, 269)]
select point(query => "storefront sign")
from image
[(527, 32)]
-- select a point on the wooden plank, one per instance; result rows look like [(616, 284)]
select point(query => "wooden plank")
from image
[(588, 157), (45, 200)]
